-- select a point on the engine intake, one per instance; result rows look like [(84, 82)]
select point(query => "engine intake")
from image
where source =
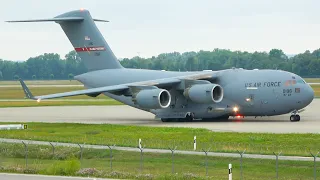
[(204, 93), (153, 98)]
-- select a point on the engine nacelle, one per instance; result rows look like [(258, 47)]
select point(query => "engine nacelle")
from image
[(153, 98), (204, 93)]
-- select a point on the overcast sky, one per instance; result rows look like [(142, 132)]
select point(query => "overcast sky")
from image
[(151, 27)]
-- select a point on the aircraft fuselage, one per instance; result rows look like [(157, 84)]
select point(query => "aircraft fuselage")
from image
[(252, 92)]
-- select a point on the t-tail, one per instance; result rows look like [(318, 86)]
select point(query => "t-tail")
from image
[(86, 39)]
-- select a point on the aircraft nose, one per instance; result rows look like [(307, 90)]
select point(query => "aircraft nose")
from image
[(309, 94)]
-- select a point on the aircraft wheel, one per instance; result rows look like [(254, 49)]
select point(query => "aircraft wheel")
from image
[(189, 117), (164, 120), (294, 118)]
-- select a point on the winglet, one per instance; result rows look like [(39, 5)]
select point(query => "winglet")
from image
[(26, 90)]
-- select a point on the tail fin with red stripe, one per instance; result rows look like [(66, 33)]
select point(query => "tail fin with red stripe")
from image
[(86, 39)]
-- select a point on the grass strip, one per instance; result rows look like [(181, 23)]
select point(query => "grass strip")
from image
[(42, 82), (17, 92), (312, 80), (66, 161), (57, 103), (164, 137), (316, 89)]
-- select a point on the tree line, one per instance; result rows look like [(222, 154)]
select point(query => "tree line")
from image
[(52, 66)]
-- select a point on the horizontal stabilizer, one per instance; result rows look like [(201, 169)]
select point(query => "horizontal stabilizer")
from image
[(63, 19), (100, 20), (52, 19)]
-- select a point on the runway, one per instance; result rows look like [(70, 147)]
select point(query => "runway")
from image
[(310, 122)]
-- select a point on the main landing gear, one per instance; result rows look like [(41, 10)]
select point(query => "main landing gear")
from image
[(294, 118), (188, 118)]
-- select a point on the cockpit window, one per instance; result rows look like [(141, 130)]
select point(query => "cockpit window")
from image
[(301, 81), (296, 80)]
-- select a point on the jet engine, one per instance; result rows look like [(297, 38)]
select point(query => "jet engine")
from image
[(204, 93), (153, 98)]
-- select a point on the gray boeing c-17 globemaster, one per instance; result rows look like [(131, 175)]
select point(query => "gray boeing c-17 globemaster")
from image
[(183, 96)]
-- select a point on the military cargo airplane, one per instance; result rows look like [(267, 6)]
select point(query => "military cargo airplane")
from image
[(172, 96)]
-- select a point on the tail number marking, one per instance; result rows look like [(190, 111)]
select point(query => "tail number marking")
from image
[(88, 49)]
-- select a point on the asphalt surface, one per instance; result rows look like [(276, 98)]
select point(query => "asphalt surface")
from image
[(235, 155), (310, 121), (7, 176)]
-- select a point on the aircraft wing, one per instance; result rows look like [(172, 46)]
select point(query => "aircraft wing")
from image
[(116, 88)]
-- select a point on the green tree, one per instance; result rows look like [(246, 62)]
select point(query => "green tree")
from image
[(192, 64), (74, 64), (277, 54), (304, 64), (16, 77), (70, 76)]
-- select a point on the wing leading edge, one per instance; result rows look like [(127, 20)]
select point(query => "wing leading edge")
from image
[(72, 93), (114, 88)]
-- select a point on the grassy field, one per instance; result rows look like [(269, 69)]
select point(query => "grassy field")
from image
[(312, 80), (44, 82), (58, 103), (17, 92), (316, 89), (164, 137), (65, 161)]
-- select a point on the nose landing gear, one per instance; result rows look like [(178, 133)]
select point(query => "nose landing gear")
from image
[(294, 118)]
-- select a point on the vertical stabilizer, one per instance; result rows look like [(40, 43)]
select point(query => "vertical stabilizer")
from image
[(86, 39), (88, 42)]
